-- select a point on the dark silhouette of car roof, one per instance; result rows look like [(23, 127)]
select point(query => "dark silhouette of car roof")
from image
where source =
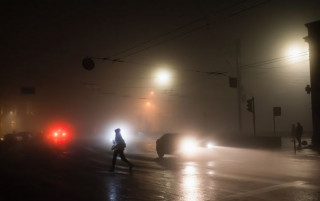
[(170, 136)]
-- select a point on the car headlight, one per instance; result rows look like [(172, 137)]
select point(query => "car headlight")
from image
[(188, 146), (209, 145)]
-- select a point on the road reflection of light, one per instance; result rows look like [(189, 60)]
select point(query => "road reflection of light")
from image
[(113, 189), (190, 184), (190, 188), (210, 172), (112, 192), (211, 163), (190, 170)]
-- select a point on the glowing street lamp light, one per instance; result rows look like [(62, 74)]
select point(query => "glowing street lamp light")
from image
[(296, 52), (148, 104), (163, 77), (293, 51)]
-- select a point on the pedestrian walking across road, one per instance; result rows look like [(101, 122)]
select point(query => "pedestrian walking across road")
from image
[(299, 131), (118, 149)]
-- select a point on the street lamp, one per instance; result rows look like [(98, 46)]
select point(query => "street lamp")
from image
[(296, 52), (163, 77), (148, 104), (293, 51)]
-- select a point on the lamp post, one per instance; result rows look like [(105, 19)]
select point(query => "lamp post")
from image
[(313, 40)]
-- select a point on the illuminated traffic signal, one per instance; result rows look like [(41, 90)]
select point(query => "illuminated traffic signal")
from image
[(250, 105)]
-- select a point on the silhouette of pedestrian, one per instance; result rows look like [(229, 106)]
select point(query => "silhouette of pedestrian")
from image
[(293, 135), (299, 131), (118, 148)]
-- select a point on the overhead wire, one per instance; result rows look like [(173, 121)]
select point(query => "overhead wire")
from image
[(244, 67), (183, 33), (120, 60), (158, 36), (174, 30), (196, 28), (273, 60), (254, 66), (248, 66)]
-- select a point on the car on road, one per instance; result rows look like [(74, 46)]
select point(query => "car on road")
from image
[(58, 136), (172, 143), (167, 144), (20, 137)]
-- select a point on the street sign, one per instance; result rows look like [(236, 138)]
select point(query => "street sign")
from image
[(233, 82), (250, 105)]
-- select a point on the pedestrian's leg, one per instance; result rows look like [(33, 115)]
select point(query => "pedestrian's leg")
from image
[(114, 159), (299, 140), (123, 158)]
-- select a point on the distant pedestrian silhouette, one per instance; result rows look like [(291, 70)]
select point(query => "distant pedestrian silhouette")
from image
[(299, 131), (293, 130), (118, 148)]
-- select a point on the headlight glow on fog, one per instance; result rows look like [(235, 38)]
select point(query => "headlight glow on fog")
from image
[(188, 146), (210, 145)]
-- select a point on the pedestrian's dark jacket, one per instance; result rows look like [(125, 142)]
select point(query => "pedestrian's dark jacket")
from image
[(119, 143), (299, 130)]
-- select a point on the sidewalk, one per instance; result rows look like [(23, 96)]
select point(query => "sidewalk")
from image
[(306, 151)]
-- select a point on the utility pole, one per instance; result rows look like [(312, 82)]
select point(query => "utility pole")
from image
[(313, 40), (238, 49), (254, 117), (276, 112)]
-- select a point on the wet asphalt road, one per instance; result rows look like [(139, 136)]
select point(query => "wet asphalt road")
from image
[(80, 172)]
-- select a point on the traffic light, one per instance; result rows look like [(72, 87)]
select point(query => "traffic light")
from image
[(250, 105)]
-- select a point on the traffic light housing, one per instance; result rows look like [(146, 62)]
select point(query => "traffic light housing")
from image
[(250, 105)]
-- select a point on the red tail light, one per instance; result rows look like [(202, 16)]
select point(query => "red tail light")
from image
[(59, 133)]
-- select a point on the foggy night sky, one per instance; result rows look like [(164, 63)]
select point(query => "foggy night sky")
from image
[(43, 44)]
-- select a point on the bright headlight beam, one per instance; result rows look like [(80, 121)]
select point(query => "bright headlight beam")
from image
[(188, 146), (209, 145)]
